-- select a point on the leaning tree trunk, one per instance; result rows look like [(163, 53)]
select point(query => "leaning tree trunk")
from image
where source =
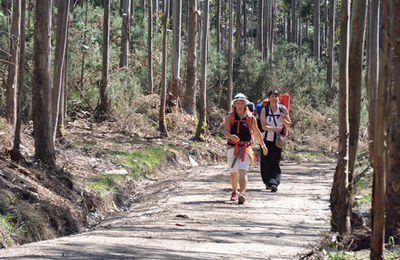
[(230, 58), (359, 10), (15, 152), (44, 146), (12, 80), (61, 45), (161, 119), (202, 124), (393, 174), (339, 199), (150, 48), (190, 94), (104, 106)]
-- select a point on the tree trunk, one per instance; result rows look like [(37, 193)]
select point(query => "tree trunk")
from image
[(294, 24), (372, 72), (12, 80), (339, 199), (218, 24), (202, 124), (150, 48), (44, 147), (84, 43), (260, 29), (15, 152), (125, 33), (104, 105), (331, 54), (380, 151), (161, 119), (244, 24), (230, 58), (176, 50), (61, 45), (357, 30), (317, 38), (238, 27), (190, 94), (393, 175)]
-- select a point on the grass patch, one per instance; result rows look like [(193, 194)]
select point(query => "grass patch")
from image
[(143, 161), (308, 156), (104, 186)]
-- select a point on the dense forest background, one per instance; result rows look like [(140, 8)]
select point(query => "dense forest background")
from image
[(108, 58)]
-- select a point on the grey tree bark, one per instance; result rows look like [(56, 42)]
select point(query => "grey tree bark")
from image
[(190, 94), (125, 33), (317, 35), (176, 49), (161, 119), (202, 123), (150, 48), (260, 24), (339, 199), (372, 70), (331, 42), (44, 147), (12, 79), (59, 61), (393, 175), (15, 153), (230, 58), (358, 18)]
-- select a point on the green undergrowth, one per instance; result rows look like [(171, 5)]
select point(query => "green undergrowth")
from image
[(308, 156), (143, 161), (104, 185)]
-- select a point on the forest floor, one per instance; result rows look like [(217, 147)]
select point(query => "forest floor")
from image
[(104, 202)]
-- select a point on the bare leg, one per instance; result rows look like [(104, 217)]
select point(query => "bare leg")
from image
[(234, 180), (243, 180)]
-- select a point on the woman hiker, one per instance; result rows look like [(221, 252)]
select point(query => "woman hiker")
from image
[(274, 116), (238, 129)]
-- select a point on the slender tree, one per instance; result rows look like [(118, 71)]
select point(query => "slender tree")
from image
[(125, 33), (372, 70), (15, 152), (44, 146), (359, 9), (190, 94), (161, 119), (59, 61), (260, 23), (230, 58), (176, 49), (393, 175), (331, 44), (202, 123), (218, 24), (339, 199), (104, 105), (317, 35), (12, 80), (150, 48), (380, 151)]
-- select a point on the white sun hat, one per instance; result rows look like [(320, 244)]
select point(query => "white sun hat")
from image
[(239, 96)]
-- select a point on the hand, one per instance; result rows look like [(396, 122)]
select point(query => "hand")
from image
[(233, 138), (278, 129), (265, 150)]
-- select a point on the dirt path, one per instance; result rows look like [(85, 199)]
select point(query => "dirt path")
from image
[(188, 215)]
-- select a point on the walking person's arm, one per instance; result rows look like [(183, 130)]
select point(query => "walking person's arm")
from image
[(257, 135)]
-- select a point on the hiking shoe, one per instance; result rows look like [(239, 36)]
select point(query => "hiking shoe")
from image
[(234, 196), (242, 197), (274, 188), (267, 187)]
